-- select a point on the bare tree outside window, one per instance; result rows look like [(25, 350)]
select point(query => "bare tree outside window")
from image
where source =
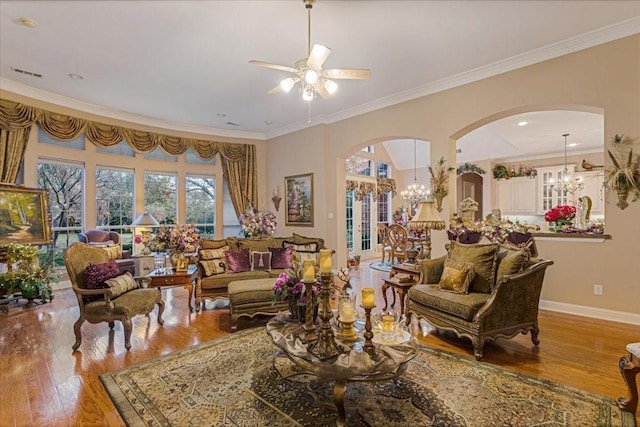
[(160, 197), (66, 193), (201, 208)]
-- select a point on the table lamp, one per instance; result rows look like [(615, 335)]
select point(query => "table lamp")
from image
[(426, 218), (146, 219)]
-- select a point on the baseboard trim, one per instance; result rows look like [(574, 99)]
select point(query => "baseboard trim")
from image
[(596, 313)]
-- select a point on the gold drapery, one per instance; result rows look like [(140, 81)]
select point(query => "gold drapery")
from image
[(241, 177), (238, 160), (13, 144)]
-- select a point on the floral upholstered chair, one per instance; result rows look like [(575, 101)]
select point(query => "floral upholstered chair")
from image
[(104, 294)]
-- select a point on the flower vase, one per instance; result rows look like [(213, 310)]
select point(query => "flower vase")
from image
[(293, 309), (174, 257)]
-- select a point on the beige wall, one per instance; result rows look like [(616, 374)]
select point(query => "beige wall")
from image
[(604, 78)]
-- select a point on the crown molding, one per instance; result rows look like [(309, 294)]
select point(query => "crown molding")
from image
[(65, 101)]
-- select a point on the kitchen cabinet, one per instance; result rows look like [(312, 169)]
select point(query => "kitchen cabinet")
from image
[(549, 179), (593, 182), (516, 196)]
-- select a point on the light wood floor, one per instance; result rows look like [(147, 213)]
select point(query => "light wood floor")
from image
[(44, 383)]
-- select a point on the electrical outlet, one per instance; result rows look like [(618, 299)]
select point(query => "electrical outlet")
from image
[(597, 289)]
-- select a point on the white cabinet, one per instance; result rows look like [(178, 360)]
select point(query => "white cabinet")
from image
[(516, 196), (549, 180), (145, 264), (593, 182)]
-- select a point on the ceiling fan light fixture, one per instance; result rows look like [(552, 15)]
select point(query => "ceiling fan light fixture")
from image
[(330, 86), (287, 84), (311, 76), (307, 93)]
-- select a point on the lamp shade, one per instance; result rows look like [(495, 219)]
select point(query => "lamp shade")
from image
[(145, 219), (427, 216)]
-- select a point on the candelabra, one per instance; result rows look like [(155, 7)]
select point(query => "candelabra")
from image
[(368, 347), (325, 346)]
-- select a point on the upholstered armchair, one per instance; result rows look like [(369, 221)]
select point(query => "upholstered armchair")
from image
[(500, 300), (110, 242), (105, 295)]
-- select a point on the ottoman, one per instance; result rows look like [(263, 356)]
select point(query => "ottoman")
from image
[(251, 297)]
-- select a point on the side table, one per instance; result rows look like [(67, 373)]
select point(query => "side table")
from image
[(145, 264), (415, 276), (175, 278), (629, 368)]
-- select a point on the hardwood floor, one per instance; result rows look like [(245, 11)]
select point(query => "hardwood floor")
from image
[(44, 383)]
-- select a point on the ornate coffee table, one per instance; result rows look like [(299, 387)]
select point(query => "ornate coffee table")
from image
[(175, 278), (389, 362)]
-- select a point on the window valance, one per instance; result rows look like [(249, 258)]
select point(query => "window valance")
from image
[(14, 115)]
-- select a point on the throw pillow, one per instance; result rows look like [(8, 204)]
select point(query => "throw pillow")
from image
[(214, 266), (261, 260), (302, 240), (483, 258), (113, 252), (206, 254), (281, 258), (302, 252), (511, 261), (96, 274), (456, 276), (212, 244), (121, 284), (238, 261)]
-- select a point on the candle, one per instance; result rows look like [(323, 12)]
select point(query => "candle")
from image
[(308, 271), (368, 299), (387, 323), (325, 260), (347, 314)]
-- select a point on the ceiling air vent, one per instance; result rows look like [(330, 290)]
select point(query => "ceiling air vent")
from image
[(27, 73), (233, 124)]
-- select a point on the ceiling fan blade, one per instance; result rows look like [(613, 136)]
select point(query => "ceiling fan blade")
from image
[(318, 55), (273, 66), (353, 74), (275, 90), (322, 91)]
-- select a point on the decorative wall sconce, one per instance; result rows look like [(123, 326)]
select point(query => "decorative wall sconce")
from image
[(276, 198)]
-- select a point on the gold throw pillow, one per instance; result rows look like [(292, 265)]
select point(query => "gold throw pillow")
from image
[(456, 276)]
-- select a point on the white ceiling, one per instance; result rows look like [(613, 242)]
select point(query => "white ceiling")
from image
[(181, 64)]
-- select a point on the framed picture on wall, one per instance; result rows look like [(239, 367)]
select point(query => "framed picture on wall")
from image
[(299, 200), (24, 216)]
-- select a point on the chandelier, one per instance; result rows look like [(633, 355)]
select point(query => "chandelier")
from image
[(415, 192), (568, 184)]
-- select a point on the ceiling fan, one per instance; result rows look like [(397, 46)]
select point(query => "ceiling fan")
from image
[(309, 72)]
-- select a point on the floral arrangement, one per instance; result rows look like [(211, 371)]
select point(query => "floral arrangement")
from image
[(624, 176), (440, 177), (494, 230), (289, 287), (470, 168), (177, 238), (560, 212), (257, 222), (26, 274)]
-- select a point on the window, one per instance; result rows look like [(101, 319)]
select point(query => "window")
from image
[(120, 149), (65, 183), (369, 149), (359, 166), (114, 202), (158, 154), (45, 138), (193, 158), (350, 198), (160, 196), (201, 208), (231, 226)]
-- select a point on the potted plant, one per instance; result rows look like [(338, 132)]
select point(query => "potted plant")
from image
[(440, 181), (623, 177), (26, 275)]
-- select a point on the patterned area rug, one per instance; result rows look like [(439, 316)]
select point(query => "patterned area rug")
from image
[(236, 381), (381, 266)]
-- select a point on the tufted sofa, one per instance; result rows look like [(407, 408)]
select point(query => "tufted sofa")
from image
[(501, 301), (215, 270)]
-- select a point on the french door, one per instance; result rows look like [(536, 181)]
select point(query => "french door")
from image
[(361, 226)]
